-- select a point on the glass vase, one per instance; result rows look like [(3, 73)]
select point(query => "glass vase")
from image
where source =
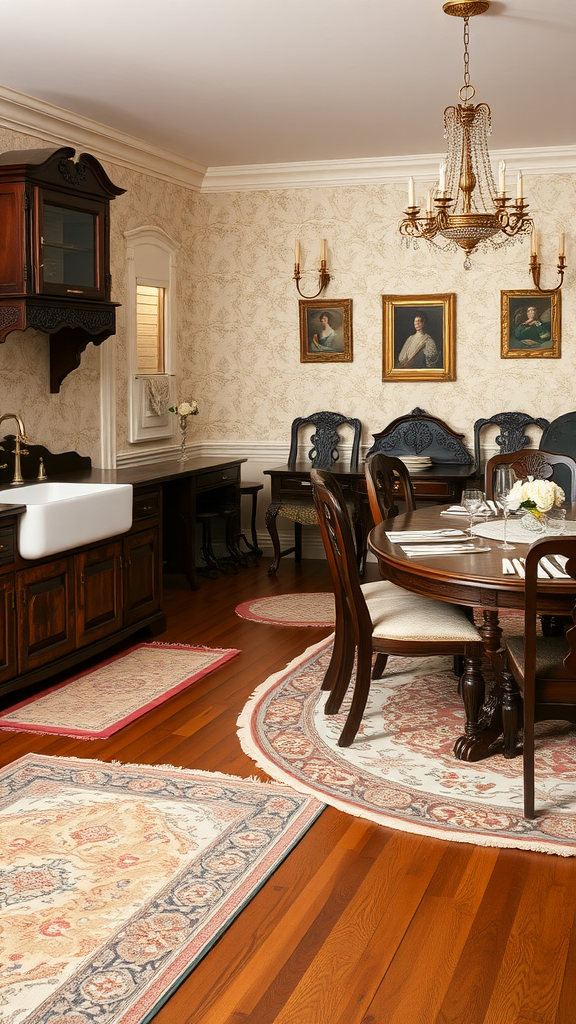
[(183, 428)]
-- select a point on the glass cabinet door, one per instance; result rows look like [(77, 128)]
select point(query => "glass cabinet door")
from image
[(70, 247)]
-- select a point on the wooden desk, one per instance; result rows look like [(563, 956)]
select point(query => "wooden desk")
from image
[(476, 581), (201, 486)]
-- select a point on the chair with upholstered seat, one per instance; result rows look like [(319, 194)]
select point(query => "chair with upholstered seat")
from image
[(387, 480), (323, 454), (538, 464), (541, 669), (380, 617)]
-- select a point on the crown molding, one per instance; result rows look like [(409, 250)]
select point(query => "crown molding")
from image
[(54, 124), (374, 171), (59, 126)]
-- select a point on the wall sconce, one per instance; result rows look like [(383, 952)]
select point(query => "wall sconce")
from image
[(323, 275), (535, 265)]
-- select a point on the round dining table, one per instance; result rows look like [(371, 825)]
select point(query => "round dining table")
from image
[(474, 578)]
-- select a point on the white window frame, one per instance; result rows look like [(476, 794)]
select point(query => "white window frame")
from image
[(150, 260)]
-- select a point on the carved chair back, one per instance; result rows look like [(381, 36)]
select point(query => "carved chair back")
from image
[(560, 435), (538, 464), (512, 436), (382, 473), (325, 440)]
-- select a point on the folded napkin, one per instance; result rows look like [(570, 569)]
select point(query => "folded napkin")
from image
[(431, 536), (553, 570), (489, 509), (416, 550)]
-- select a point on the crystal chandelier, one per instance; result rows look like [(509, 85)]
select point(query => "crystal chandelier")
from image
[(466, 208)]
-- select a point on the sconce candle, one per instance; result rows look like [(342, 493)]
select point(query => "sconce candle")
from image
[(534, 242), (297, 254), (519, 188), (561, 245), (323, 251)]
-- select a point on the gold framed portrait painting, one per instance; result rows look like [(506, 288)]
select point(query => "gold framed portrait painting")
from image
[(530, 325), (325, 330), (419, 337)]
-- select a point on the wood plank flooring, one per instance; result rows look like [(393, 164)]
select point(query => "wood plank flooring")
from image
[(360, 924)]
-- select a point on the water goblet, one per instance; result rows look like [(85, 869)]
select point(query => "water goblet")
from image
[(504, 480), (472, 502)]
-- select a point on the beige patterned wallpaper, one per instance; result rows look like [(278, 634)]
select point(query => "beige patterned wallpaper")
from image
[(238, 335)]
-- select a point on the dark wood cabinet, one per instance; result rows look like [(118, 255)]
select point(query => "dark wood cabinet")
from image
[(98, 575), (8, 661), (55, 251), (56, 613), (142, 595), (45, 603)]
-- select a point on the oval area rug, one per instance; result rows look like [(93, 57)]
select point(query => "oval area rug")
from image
[(290, 610), (400, 770)]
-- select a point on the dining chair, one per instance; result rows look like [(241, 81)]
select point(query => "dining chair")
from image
[(536, 463), (540, 669), (382, 473), (380, 617), (323, 453), (511, 437)]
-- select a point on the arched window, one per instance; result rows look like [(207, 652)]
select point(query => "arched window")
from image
[(151, 332)]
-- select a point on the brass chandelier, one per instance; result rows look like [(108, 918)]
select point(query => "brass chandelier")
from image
[(466, 208)]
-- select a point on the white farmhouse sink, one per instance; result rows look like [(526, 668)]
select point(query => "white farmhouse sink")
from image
[(60, 516)]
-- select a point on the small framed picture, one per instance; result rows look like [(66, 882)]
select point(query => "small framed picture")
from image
[(530, 323), (419, 337), (326, 331)]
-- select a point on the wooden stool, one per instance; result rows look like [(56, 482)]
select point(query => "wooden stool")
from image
[(252, 489)]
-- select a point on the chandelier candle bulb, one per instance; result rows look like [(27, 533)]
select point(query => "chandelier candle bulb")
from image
[(502, 178), (442, 179), (411, 193)]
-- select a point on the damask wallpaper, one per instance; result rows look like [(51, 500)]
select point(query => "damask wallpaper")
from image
[(237, 308)]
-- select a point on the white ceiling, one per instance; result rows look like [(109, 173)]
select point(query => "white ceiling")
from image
[(235, 82)]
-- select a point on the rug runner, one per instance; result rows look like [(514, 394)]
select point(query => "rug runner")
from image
[(117, 879), (99, 701)]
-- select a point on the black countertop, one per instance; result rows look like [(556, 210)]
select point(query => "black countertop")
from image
[(151, 473)]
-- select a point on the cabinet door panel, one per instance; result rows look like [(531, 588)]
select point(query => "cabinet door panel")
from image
[(141, 575), (46, 613), (98, 592), (8, 663)]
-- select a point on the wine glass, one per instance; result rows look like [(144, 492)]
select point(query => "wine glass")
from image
[(504, 480), (472, 502)]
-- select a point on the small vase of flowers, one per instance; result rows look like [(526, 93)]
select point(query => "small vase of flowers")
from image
[(541, 499), (184, 410)]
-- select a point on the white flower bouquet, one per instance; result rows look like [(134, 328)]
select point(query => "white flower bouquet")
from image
[(536, 496), (185, 408)]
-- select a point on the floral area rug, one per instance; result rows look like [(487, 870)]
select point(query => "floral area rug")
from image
[(96, 703), (290, 610), (116, 879), (400, 770)]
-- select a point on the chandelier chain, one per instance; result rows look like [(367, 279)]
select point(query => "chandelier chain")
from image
[(467, 92)]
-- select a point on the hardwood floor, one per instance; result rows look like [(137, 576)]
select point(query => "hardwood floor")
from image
[(360, 924)]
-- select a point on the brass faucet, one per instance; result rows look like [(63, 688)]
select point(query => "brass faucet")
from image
[(18, 450)]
